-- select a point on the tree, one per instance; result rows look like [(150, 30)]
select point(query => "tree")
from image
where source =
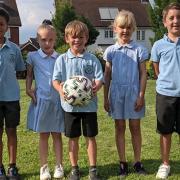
[(155, 13), (64, 13)]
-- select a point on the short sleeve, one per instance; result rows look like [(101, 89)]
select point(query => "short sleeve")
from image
[(107, 56), (154, 53), (29, 59), (143, 54), (98, 73), (57, 74), (20, 66)]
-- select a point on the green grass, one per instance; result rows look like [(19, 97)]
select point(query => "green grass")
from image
[(107, 161)]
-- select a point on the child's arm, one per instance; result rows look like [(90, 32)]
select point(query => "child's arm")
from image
[(96, 86), (156, 68), (29, 79), (143, 78), (59, 87), (107, 78)]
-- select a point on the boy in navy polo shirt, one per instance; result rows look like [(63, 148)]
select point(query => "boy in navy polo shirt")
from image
[(166, 60), (10, 62)]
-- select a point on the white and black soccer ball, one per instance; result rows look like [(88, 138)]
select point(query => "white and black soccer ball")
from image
[(78, 91)]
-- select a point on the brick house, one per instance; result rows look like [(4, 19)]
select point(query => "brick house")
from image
[(101, 14), (15, 21)]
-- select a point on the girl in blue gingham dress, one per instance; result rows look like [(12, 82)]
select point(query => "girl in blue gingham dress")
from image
[(124, 89), (45, 114)]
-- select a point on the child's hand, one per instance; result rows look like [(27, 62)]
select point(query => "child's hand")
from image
[(31, 93), (61, 92), (106, 105), (139, 104)]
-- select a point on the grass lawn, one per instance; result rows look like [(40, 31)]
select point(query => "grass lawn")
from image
[(107, 161)]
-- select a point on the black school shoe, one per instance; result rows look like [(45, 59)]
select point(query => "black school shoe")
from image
[(139, 169), (74, 174), (123, 169), (93, 175), (2, 173), (12, 173)]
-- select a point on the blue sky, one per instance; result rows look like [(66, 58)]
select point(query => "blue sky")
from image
[(32, 13)]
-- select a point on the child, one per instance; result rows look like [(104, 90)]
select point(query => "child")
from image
[(165, 55), (45, 115), (10, 61), (124, 89), (77, 61)]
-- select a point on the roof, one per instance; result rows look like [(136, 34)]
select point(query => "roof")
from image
[(31, 42), (91, 10), (11, 7)]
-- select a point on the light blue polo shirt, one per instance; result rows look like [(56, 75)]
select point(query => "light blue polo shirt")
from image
[(10, 61), (87, 65), (167, 54)]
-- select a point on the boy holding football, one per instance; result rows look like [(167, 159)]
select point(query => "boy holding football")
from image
[(77, 61)]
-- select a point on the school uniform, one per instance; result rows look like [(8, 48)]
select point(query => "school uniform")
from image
[(125, 83), (47, 114)]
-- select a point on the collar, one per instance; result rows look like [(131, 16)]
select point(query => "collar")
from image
[(71, 55), (130, 45), (43, 55), (6, 43), (165, 37)]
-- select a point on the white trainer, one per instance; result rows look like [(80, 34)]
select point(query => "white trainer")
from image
[(44, 173), (163, 171), (58, 171)]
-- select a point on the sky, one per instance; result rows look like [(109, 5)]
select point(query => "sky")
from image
[(32, 13)]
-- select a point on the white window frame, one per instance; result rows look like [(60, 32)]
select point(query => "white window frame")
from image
[(141, 35), (8, 34)]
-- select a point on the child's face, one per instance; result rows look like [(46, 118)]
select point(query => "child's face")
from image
[(172, 22), (77, 43), (124, 33), (47, 39), (3, 26)]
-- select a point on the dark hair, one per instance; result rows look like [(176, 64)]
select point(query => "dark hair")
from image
[(47, 22), (4, 14)]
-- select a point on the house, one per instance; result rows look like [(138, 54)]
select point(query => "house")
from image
[(101, 14), (15, 21), (31, 45)]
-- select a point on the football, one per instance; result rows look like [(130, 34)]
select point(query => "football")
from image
[(78, 91)]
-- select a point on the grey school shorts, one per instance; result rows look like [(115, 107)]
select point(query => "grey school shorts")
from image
[(10, 114), (168, 114)]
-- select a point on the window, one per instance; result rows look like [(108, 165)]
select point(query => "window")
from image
[(108, 33), (108, 13), (140, 35)]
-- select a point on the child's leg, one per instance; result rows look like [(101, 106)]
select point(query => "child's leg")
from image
[(43, 148), (165, 145), (12, 144), (1, 146), (120, 127), (135, 129), (91, 150), (57, 144), (73, 150)]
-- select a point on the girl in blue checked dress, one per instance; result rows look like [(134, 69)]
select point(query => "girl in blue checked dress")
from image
[(124, 89), (45, 115)]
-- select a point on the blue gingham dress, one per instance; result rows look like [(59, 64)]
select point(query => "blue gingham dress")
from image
[(124, 88), (47, 114)]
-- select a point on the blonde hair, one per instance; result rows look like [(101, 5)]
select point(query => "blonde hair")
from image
[(125, 19), (76, 28), (45, 26), (169, 7)]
